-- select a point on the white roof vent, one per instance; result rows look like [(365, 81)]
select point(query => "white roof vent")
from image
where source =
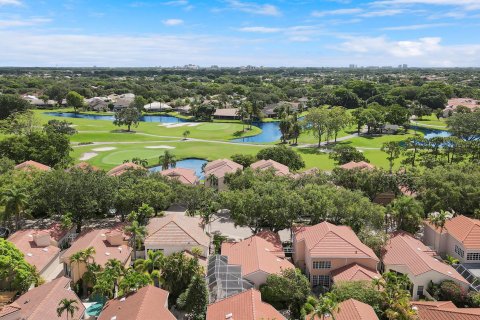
[(229, 316), (103, 235), (449, 272), (113, 318), (30, 254), (107, 253), (45, 249), (123, 299), (120, 249), (30, 235)]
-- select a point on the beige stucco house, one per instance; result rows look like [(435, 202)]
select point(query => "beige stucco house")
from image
[(322, 249), (215, 172), (460, 238), (406, 255)]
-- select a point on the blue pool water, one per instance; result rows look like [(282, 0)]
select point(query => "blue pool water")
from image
[(432, 133), (145, 118), (190, 163)]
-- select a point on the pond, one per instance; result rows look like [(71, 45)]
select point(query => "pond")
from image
[(270, 133), (189, 163), (432, 133), (144, 118)]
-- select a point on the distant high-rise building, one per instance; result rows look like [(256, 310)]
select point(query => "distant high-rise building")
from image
[(352, 66), (405, 66)]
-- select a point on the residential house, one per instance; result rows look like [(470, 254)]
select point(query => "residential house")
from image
[(280, 169), (184, 110), (176, 233), (108, 244), (259, 256), (459, 238), (41, 303), (357, 165), (226, 114), (444, 310), (350, 309), (247, 305), (32, 165), (123, 101), (41, 248), (272, 110), (148, 303), (354, 272), (157, 106), (453, 103), (39, 103), (324, 250), (215, 172), (406, 255), (124, 167), (183, 175), (98, 103)]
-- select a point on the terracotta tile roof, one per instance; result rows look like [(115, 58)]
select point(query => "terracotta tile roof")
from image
[(351, 309), (104, 251), (433, 304), (41, 303), (185, 176), (38, 256), (30, 164), (354, 272), (404, 250), (256, 254), (357, 165), (328, 240), (57, 232), (121, 169), (176, 229), (467, 102), (148, 303), (247, 305), (85, 165), (7, 310), (443, 310), (280, 169), (465, 230), (220, 167)]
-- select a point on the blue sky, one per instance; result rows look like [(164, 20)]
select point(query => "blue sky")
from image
[(430, 33)]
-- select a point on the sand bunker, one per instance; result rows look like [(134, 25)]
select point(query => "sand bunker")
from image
[(104, 149), (159, 147), (88, 155), (181, 124)]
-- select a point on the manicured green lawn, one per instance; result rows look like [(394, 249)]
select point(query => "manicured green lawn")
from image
[(308, 137), (376, 141), (431, 121)]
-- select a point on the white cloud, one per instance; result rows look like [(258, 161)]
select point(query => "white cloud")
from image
[(418, 26), (172, 22), (260, 29), (254, 8), (426, 51), (336, 12), (467, 4), (10, 3), (176, 3), (382, 13), (23, 22)]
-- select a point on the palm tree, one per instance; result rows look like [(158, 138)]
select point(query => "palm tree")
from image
[(88, 254), (167, 160), (327, 306), (378, 282), (185, 134), (212, 180), (438, 219), (154, 261), (451, 260), (15, 201), (138, 233), (157, 278), (76, 258), (90, 276), (68, 305)]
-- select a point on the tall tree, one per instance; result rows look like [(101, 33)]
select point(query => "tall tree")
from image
[(10, 104), (75, 100), (316, 121), (195, 299), (15, 202), (137, 233), (167, 160), (392, 149), (127, 117)]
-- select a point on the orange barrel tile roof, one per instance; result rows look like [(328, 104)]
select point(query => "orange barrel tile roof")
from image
[(351, 309), (247, 305), (354, 272), (183, 175), (221, 167), (30, 164), (124, 167), (279, 168), (148, 303)]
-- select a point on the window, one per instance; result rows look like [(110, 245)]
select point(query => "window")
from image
[(420, 291), (321, 280), (459, 251), (473, 256), (322, 264)]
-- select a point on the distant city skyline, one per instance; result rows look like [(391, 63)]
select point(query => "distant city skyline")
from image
[(272, 33)]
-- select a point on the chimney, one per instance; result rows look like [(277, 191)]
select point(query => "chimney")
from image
[(42, 238), (115, 238)]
